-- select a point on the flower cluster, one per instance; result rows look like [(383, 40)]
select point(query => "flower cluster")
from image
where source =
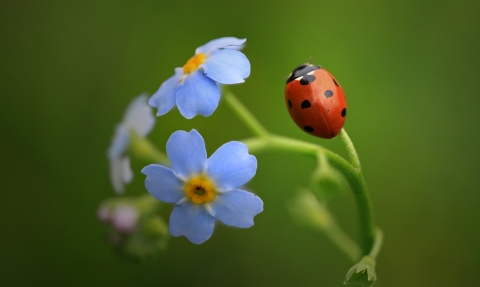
[(203, 190)]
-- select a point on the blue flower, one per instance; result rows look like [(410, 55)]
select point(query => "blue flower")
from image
[(204, 190), (138, 119), (193, 88)]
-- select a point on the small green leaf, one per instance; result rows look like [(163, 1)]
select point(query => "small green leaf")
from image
[(329, 183), (362, 273)]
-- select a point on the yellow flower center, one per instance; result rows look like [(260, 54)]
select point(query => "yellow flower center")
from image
[(200, 189), (193, 63)]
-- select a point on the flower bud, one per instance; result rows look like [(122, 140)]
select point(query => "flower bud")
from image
[(134, 227), (328, 182), (125, 218)]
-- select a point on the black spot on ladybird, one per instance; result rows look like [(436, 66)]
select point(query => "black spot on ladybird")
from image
[(308, 129), (328, 93), (307, 79), (306, 104), (289, 104), (335, 82), (344, 112)]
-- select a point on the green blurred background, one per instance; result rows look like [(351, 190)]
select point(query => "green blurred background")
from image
[(411, 72)]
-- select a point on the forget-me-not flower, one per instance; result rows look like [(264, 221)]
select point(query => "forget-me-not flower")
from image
[(193, 88), (204, 189), (138, 119)]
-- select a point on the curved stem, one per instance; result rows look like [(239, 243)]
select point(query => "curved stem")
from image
[(353, 176), (377, 244), (364, 209), (352, 153), (267, 141), (289, 145)]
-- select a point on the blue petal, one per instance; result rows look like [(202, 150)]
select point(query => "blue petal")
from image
[(192, 221), (225, 42), (120, 142), (162, 183), (186, 152), (164, 97), (227, 66), (120, 173), (230, 166), (237, 208), (197, 95), (126, 170), (139, 117)]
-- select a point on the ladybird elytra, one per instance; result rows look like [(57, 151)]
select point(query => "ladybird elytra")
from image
[(315, 101)]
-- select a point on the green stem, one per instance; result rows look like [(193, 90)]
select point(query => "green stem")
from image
[(343, 241), (352, 172), (244, 114), (364, 209), (353, 176), (308, 210), (377, 244), (142, 148), (352, 153)]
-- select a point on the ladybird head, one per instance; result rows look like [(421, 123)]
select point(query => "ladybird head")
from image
[(302, 70)]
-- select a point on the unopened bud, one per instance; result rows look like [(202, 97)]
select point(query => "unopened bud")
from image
[(125, 218)]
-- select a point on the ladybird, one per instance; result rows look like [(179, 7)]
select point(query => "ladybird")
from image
[(315, 101)]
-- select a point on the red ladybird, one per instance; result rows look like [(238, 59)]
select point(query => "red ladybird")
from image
[(315, 101)]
